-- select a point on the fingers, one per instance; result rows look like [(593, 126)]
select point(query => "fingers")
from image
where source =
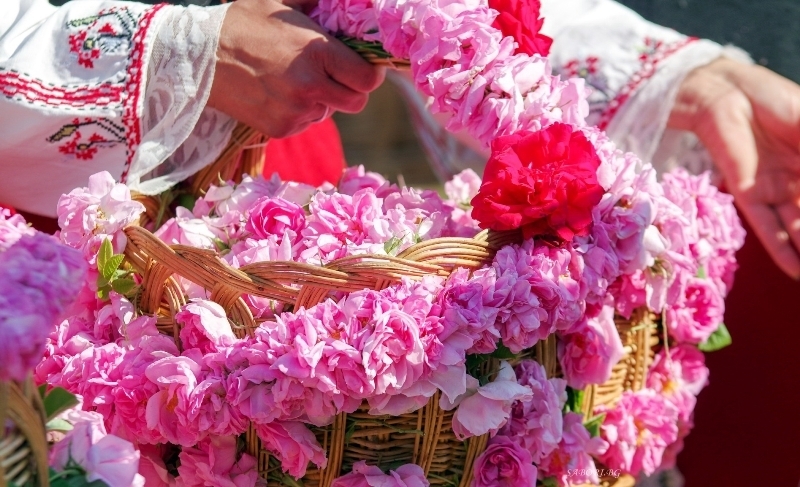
[(789, 214), (349, 69), (770, 230)]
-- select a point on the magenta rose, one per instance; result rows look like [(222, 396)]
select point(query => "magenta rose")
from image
[(273, 216), (504, 464)]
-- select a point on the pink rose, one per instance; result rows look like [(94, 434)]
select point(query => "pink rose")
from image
[(273, 216), (699, 314), (638, 429), (591, 349), (293, 444), (214, 462), (104, 457), (679, 376), (537, 424), (356, 178), (409, 475), (205, 326), (571, 462), (504, 464), (485, 409)]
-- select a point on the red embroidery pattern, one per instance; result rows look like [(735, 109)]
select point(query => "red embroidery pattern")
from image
[(108, 31), (652, 55), (14, 85), (82, 139), (134, 88)]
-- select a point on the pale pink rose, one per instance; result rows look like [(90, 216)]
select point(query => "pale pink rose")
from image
[(699, 314), (205, 326), (293, 444), (273, 216), (504, 464), (87, 216), (571, 463), (356, 178), (485, 409), (104, 457), (297, 193), (536, 424), (638, 429), (409, 475), (463, 187), (214, 462), (185, 229), (463, 308), (590, 350), (12, 228)]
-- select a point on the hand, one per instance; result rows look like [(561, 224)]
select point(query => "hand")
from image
[(749, 120), (278, 72)]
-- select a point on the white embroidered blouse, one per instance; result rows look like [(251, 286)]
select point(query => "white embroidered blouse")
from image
[(120, 86)]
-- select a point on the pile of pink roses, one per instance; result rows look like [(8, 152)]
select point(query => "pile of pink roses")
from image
[(394, 349)]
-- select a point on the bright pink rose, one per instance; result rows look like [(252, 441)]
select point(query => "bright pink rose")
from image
[(536, 424), (699, 314), (679, 375), (205, 326), (169, 410), (504, 464), (185, 229), (273, 216), (214, 462), (293, 444), (393, 354), (638, 430), (485, 409), (409, 475), (590, 350), (543, 182)]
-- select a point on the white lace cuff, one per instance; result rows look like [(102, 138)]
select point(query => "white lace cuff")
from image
[(180, 135)]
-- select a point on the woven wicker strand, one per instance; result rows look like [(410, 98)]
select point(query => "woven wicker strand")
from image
[(23, 446)]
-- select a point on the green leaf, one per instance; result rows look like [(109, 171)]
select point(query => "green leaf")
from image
[(503, 353), (123, 286), (111, 266), (593, 424), (187, 201), (105, 253), (718, 340), (550, 482), (391, 245), (58, 400), (574, 400), (101, 281), (701, 272), (58, 424)]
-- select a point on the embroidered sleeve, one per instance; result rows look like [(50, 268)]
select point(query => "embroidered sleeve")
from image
[(104, 85), (180, 134), (634, 69)]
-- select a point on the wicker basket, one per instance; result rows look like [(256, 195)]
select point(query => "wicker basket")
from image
[(23, 446), (424, 437)]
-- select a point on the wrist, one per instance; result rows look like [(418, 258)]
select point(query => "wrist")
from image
[(700, 91)]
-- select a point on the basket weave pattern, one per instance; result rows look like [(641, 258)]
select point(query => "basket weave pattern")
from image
[(424, 437), (23, 446)]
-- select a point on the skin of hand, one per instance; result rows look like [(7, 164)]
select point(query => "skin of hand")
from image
[(748, 118), (279, 72)]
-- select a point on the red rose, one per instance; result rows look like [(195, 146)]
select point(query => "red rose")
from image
[(520, 20), (544, 182)]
